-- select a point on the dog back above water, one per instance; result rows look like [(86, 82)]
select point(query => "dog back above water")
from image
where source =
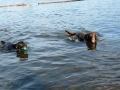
[(8, 46)]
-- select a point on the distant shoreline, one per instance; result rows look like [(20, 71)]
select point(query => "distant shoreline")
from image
[(15, 5), (59, 2), (18, 5)]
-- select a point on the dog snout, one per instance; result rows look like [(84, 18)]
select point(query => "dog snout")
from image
[(93, 41)]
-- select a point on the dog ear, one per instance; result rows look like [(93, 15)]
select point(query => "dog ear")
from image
[(95, 37), (18, 45), (3, 42)]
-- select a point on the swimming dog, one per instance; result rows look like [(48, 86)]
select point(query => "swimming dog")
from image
[(81, 36), (8, 46)]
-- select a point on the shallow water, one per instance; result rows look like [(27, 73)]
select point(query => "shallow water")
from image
[(54, 62)]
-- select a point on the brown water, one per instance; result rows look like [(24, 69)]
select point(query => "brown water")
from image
[(54, 62)]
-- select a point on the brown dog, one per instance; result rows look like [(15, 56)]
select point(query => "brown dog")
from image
[(89, 37)]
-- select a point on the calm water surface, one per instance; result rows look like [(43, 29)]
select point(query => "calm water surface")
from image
[(55, 63)]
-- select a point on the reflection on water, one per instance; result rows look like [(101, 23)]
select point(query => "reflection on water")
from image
[(54, 62), (22, 54), (91, 46)]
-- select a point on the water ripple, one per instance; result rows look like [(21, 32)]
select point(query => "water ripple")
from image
[(55, 63)]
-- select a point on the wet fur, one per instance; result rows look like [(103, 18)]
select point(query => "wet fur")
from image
[(89, 37), (13, 47)]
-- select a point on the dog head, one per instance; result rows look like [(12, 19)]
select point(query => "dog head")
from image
[(20, 45), (21, 50), (91, 37)]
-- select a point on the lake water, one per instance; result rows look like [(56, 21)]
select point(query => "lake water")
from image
[(54, 62)]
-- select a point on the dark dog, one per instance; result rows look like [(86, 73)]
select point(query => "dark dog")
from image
[(89, 37), (13, 47)]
